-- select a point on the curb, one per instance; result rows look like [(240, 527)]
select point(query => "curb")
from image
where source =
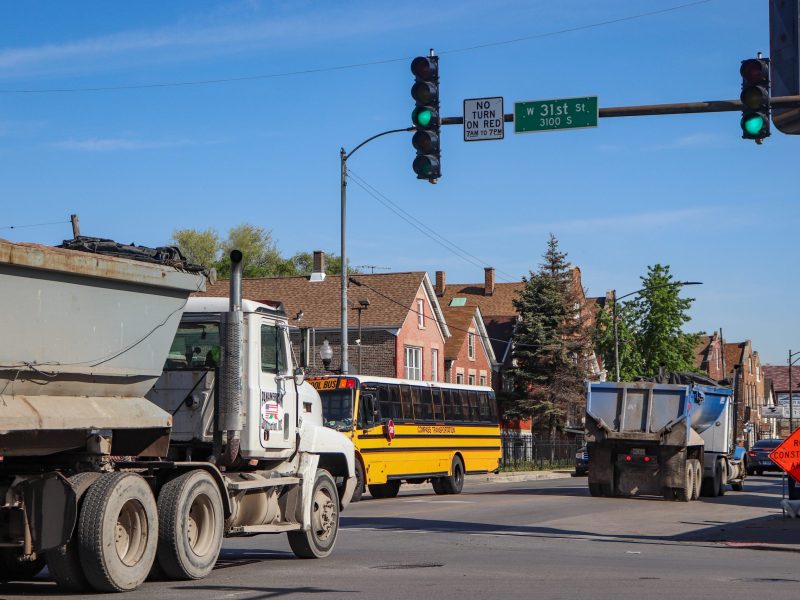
[(521, 476)]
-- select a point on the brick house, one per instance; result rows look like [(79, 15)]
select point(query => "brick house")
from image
[(468, 354), (402, 333), (778, 376), (496, 303), (740, 365)]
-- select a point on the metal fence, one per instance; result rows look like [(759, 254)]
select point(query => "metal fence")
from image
[(527, 452)]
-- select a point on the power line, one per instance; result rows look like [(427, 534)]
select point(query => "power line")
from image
[(34, 225), (312, 71), (422, 227), (355, 281)]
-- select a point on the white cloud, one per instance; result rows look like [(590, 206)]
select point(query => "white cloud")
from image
[(115, 144), (695, 140), (615, 222)]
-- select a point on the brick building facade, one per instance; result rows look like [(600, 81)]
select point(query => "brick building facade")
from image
[(468, 355)]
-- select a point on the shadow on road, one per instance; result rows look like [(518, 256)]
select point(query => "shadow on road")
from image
[(260, 592)]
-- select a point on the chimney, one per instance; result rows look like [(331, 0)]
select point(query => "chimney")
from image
[(318, 270), (488, 281), (440, 283)]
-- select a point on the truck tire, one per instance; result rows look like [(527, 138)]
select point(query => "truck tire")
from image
[(63, 562), (737, 486), (711, 485), (14, 568), (685, 493), (722, 469), (389, 489), (319, 540), (454, 483), (698, 479), (595, 490), (359, 491), (118, 532), (190, 525)]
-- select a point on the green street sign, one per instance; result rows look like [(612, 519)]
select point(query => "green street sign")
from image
[(559, 113)]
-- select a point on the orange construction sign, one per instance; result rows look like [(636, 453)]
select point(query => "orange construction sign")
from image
[(787, 455)]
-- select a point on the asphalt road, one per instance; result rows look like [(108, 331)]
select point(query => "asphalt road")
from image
[(529, 539)]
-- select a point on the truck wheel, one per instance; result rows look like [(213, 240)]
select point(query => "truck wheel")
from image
[(685, 493), (723, 478), (359, 491), (63, 562), (318, 541), (118, 532), (385, 490), (455, 482), (190, 525), (698, 479), (737, 486), (14, 568)]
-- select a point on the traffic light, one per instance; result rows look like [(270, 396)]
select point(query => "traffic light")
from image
[(755, 98), (425, 117), (784, 54)]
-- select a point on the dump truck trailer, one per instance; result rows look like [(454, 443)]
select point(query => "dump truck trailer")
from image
[(671, 440), (103, 354)]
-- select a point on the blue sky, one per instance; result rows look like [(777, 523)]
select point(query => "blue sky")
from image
[(136, 164)]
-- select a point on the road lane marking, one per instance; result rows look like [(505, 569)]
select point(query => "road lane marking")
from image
[(439, 501)]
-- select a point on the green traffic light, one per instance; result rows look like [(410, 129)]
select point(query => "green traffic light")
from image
[(753, 124), (422, 117)]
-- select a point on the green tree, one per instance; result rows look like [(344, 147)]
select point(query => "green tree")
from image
[(551, 343), (199, 247), (650, 329), (260, 252)]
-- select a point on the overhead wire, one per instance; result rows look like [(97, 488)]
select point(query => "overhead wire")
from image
[(358, 283), (311, 71), (33, 225), (422, 227)]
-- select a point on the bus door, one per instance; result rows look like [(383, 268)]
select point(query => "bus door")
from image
[(278, 397), (370, 432)]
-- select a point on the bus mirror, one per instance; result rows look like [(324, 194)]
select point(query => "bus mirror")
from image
[(299, 376)]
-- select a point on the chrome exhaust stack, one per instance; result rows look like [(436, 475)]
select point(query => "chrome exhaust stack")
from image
[(230, 402)]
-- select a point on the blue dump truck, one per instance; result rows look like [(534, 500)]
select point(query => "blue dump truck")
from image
[(674, 440)]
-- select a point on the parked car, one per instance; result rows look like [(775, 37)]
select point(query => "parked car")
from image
[(581, 461), (758, 459)]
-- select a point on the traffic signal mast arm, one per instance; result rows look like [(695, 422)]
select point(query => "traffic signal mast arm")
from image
[(679, 108)]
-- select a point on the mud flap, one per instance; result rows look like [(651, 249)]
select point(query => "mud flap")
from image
[(52, 510)]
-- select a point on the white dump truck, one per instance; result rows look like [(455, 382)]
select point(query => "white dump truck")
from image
[(139, 425)]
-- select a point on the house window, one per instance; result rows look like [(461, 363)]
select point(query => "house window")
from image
[(434, 365), (459, 376), (758, 373), (483, 379), (421, 313), (471, 379), (750, 365), (413, 363), (576, 311), (471, 345), (716, 356)]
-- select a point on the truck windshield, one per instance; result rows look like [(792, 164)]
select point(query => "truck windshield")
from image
[(196, 346), (337, 409)]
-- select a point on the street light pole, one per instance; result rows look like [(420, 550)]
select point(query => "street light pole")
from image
[(614, 299), (791, 394), (343, 156)]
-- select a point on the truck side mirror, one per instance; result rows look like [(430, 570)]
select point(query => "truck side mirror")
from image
[(299, 376)]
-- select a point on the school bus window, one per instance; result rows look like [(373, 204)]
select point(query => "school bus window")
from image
[(483, 404), (474, 412), (405, 401), (423, 410), (438, 409), (367, 406), (337, 409), (396, 410)]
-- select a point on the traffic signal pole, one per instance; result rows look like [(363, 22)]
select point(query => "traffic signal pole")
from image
[(343, 156)]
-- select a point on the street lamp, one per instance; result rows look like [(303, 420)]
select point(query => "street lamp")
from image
[(363, 305), (614, 312), (326, 354), (791, 395)]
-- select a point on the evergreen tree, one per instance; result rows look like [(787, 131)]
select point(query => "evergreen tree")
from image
[(551, 343)]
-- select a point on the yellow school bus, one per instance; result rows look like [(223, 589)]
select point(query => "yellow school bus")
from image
[(412, 431)]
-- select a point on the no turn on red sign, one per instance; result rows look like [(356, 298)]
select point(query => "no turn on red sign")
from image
[(483, 119), (787, 455)]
